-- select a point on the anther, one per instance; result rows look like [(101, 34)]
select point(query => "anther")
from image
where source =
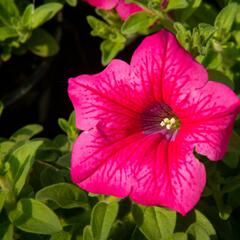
[(168, 123)]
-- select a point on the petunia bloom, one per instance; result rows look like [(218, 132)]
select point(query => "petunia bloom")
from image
[(124, 9), (142, 123)]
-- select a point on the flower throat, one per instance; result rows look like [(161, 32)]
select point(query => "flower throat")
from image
[(159, 118)]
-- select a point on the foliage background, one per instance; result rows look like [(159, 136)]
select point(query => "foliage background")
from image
[(37, 198)]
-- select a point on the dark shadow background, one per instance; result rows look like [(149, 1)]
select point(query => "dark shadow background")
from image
[(47, 100)]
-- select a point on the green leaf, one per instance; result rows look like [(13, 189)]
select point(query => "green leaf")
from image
[(1, 108), (63, 124), (206, 30), (48, 152), (234, 143), (65, 195), (236, 35), (110, 50), (204, 223), (193, 5), (143, 3), (102, 219), (63, 235), (137, 235), (63, 143), (176, 4), (110, 17), (51, 175), (180, 236), (123, 229), (44, 13), (87, 233), (177, 236), (20, 161), (6, 231), (26, 132), (233, 198), (8, 11), (225, 19), (225, 212), (231, 184), (33, 216), (72, 3), (198, 232), (220, 77), (7, 32), (154, 222), (138, 23), (231, 159), (5, 147), (27, 16), (72, 119), (4, 150), (64, 161), (183, 35), (99, 28), (2, 199), (42, 43), (10, 7)]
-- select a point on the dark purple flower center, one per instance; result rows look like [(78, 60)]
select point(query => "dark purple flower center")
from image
[(159, 118)]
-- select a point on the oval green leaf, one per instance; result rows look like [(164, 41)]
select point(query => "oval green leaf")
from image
[(154, 222), (65, 195), (6, 231), (87, 233), (26, 132), (225, 18), (33, 216), (20, 161), (102, 219), (138, 23), (42, 43), (7, 32), (44, 13), (61, 236)]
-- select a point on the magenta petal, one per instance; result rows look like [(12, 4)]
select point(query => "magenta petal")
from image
[(212, 101), (166, 69), (98, 164), (126, 9), (103, 4), (210, 138), (104, 96), (148, 168), (169, 175)]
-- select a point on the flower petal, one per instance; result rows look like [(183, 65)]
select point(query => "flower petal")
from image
[(96, 163), (104, 96), (175, 178), (211, 137), (166, 69), (148, 168), (126, 9), (212, 101), (103, 4)]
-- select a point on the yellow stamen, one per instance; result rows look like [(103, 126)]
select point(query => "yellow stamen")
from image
[(168, 123)]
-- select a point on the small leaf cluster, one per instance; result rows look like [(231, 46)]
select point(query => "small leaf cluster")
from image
[(20, 29), (215, 44)]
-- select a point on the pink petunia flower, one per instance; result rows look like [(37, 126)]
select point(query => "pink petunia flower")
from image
[(143, 121), (124, 9)]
